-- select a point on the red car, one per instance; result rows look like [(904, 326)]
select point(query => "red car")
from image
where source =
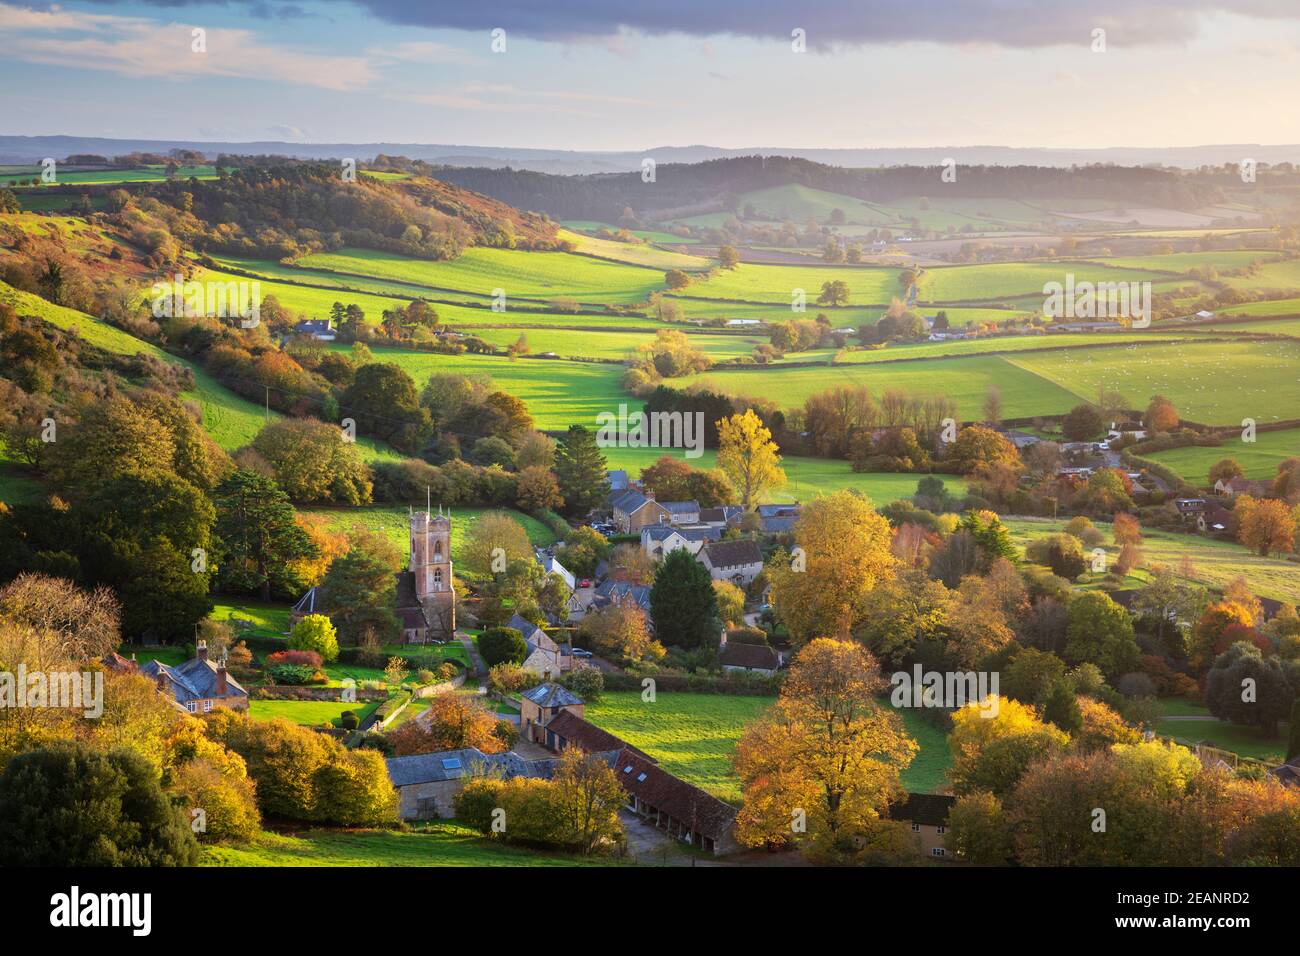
[(585, 583)]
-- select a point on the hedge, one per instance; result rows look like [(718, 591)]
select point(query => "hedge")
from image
[(390, 708)]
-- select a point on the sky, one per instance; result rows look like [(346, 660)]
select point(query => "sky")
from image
[(632, 74)]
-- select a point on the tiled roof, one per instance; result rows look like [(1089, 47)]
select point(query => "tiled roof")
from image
[(629, 502), (659, 789), (469, 762), (681, 507), (930, 809), (551, 694), (578, 732), (733, 554), (755, 656)]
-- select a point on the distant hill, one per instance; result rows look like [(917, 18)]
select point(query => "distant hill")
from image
[(29, 149)]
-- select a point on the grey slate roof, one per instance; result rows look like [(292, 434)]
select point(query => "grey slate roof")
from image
[(551, 694), (629, 502), (527, 628), (617, 480), (733, 554), (660, 532), (196, 679), (610, 591), (750, 656), (469, 762), (681, 507)]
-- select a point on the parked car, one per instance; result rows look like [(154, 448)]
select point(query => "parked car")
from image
[(585, 583), (580, 652)]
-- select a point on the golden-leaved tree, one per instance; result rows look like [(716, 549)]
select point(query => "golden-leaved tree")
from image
[(842, 553), (748, 456), (820, 768)]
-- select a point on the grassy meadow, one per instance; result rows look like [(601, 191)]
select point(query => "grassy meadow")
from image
[(1259, 459)]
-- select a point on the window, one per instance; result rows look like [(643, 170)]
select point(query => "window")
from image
[(640, 778), (941, 829), (191, 706), (938, 851), (916, 828), (207, 706), (437, 577), (437, 551)]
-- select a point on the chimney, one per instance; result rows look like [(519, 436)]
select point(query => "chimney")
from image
[(221, 678), (201, 650)]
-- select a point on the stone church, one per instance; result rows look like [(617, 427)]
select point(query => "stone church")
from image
[(426, 598)]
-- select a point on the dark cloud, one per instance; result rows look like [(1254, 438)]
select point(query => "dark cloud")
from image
[(828, 23)]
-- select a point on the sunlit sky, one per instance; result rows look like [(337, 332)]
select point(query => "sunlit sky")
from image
[(583, 74)]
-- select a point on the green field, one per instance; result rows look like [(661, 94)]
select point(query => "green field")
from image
[(1215, 563), (557, 393), (394, 522), (1259, 459), (995, 345), (755, 282), (309, 713), (693, 736), (636, 254), (649, 235), (260, 620), (587, 343), (437, 844), (1243, 741), (1217, 383), (801, 203), (806, 477), (523, 275), (1004, 280), (150, 174), (1276, 276), (966, 380), (928, 771), (1221, 259)]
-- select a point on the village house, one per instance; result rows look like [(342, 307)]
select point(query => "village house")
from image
[(736, 561), (1240, 485), (1190, 509), (721, 517), (545, 655), (928, 815), (633, 511), (658, 541), (319, 329), (552, 566), (683, 512), (734, 656), (198, 685), (621, 592)]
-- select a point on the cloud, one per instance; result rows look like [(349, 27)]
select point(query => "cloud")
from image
[(829, 23), (135, 46), (506, 98)]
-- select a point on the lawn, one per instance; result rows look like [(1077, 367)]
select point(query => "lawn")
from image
[(438, 844), (966, 380), (928, 771), (261, 620), (394, 521), (309, 713), (1243, 741), (1259, 458), (1215, 562), (525, 275), (1218, 383), (1221, 259)]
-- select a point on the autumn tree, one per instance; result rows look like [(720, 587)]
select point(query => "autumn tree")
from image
[(843, 552), (1161, 415), (590, 798), (749, 457), (492, 542), (1265, 525), (619, 632), (1100, 632), (452, 722), (821, 767)]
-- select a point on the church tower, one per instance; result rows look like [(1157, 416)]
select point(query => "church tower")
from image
[(430, 565)]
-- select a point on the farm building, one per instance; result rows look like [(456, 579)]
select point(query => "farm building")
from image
[(427, 784), (678, 808), (541, 704)]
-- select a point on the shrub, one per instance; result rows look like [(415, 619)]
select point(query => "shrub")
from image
[(315, 632), (587, 682), (348, 720), (296, 674), (302, 658), (502, 645)]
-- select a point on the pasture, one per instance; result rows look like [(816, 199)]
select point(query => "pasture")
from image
[(588, 343), (632, 253), (965, 379), (754, 282), (1005, 280), (1217, 383), (524, 275), (1215, 563), (1259, 459)]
